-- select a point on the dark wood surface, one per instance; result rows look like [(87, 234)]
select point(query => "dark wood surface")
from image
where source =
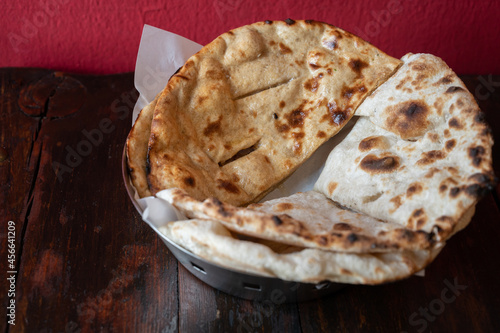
[(85, 261)]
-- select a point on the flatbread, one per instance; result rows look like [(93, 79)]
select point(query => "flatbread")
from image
[(211, 241), (307, 219), (420, 155), (402, 182), (250, 107), (137, 149)]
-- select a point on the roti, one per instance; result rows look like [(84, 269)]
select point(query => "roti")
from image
[(211, 241), (243, 113), (137, 149), (420, 154), (402, 182), (305, 219)]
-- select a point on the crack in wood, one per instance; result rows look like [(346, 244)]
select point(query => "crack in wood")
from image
[(26, 214), (52, 96), (36, 168)]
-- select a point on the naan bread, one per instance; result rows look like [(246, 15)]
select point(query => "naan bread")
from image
[(414, 164), (307, 219), (137, 149), (211, 241), (250, 107), (420, 155)]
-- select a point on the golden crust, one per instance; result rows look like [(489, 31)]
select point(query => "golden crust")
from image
[(250, 107), (307, 219), (137, 149)]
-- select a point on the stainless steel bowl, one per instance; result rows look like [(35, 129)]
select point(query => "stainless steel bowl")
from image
[(236, 283)]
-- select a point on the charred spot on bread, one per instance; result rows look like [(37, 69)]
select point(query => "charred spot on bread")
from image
[(342, 226), (372, 142), (357, 65), (453, 89), (455, 191), (454, 123), (476, 190), (352, 238), (282, 206), (334, 115), (450, 144), (483, 179), (347, 93), (213, 201), (313, 83), (284, 49), (296, 117), (189, 181), (406, 234), (374, 164), (213, 127), (476, 154), (480, 118), (430, 157), (418, 212), (414, 188), (420, 223), (277, 221), (227, 186), (408, 119), (331, 187), (314, 66)]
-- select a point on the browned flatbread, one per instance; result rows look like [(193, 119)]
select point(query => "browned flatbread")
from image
[(250, 107), (414, 164), (419, 156), (211, 241), (137, 149), (306, 219)]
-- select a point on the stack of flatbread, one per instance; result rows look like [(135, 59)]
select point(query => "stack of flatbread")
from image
[(247, 110)]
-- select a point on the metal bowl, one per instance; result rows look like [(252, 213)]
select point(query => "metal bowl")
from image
[(233, 282)]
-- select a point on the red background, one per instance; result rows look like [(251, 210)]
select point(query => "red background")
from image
[(93, 36)]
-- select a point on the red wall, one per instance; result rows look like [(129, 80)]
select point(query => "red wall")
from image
[(93, 36)]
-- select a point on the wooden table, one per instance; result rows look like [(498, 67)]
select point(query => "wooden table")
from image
[(86, 262)]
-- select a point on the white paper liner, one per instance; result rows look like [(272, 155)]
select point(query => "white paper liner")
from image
[(160, 54)]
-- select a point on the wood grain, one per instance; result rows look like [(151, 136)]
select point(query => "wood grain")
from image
[(467, 259), (18, 169), (86, 262), (204, 309)]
